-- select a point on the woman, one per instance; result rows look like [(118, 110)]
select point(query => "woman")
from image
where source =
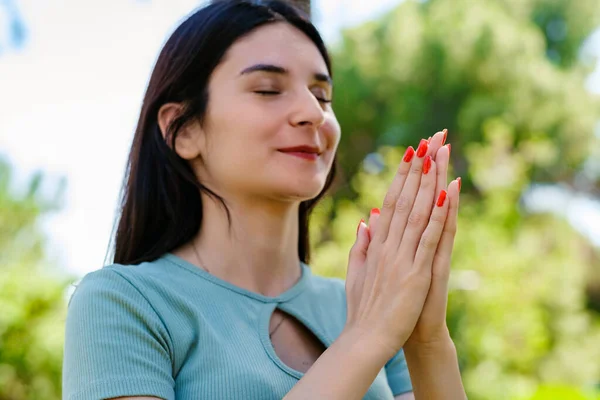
[(210, 296)]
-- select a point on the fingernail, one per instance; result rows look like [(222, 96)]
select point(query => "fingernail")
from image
[(422, 149), (408, 154), (445, 136), (459, 180), (375, 211), (449, 146), (362, 221), (429, 140), (442, 198), (426, 165)]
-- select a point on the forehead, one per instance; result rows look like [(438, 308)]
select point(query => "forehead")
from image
[(276, 43)]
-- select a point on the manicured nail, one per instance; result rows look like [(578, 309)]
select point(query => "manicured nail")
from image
[(362, 221), (375, 211), (427, 165), (459, 180), (445, 136), (442, 198), (422, 149), (449, 146), (408, 154)]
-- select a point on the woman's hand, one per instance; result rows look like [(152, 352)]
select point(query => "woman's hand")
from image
[(390, 270), (431, 326)]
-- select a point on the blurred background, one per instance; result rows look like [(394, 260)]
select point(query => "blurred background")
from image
[(516, 82)]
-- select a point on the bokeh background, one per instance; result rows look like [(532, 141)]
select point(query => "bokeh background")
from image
[(516, 82)]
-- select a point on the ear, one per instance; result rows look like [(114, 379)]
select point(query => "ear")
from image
[(188, 141)]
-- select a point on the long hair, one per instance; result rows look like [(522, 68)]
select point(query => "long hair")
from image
[(161, 205)]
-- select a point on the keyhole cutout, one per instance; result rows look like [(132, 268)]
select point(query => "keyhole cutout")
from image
[(295, 345)]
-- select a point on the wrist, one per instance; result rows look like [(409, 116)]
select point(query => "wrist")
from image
[(364, 341), (441, 345)]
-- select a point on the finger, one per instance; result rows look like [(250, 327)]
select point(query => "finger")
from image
[(437, 297), (431, 237), (436, 142), (442, 160), (389, 202), (404, 203), (356, 273), (441, 265), (373, 218), (419, 215)]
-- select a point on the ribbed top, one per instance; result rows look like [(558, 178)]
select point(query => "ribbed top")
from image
[(169, 329)]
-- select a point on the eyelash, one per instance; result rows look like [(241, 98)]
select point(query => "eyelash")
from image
[(272, 93)]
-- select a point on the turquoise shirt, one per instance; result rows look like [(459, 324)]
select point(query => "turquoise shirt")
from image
[(169, 329)]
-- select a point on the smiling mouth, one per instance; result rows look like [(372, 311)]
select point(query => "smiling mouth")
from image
[(303, 155), (304, 152)]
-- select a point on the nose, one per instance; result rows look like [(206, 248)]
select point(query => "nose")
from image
[(307, 111)]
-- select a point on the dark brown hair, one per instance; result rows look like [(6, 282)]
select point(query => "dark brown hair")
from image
[(161, 206)]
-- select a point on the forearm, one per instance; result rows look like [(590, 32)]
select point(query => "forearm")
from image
[(434, 372), (344, 371)]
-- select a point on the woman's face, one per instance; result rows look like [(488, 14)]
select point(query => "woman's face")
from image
[(267, 96)]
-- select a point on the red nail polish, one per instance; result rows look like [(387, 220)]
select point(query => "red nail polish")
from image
[(422, 149), (362, 220), (445, 136), (408, 154), (459, 180), (427, 165), (442, 198), (449, 148), (375, 211)]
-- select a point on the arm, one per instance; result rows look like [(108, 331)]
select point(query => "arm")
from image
[(115, 343), (434, 371), (345, 370)]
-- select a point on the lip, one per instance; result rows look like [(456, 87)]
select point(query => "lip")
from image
[(306, 152)]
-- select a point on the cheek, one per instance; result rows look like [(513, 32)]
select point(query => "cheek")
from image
[(332, 132), (239, 145)]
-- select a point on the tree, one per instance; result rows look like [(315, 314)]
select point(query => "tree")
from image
[(510, 90), (32, 296), (457, 64)]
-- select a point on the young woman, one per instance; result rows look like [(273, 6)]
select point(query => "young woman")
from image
[(210, 295)]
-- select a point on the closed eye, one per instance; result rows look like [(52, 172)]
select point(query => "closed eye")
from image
[(267, 92), (273, 93)]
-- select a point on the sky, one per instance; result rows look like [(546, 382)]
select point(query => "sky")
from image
[(70, 98)]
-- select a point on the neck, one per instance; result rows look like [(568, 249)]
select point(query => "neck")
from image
[(260, 250)]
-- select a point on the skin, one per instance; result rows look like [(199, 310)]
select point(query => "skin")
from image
[(235, 153)]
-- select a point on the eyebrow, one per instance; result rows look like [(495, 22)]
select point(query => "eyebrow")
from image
[(276, 69)]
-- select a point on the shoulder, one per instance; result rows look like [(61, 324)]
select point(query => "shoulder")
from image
[(112, 289), (136, 291), (110, 317), (142, 279), (111, 278)]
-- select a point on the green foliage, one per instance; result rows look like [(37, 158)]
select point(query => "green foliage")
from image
[(32, 297), (457, 64), (517, 306), (506, 79), (503, 76)]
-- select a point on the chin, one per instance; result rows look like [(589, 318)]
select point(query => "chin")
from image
[(295, 190)]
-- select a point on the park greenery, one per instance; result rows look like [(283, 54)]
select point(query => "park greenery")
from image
[(506, 77)]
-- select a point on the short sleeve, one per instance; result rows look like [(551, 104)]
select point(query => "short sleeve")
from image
[(115, 342), (397, 374)]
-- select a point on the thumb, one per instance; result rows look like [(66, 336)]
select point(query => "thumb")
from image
[(356, 261)]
